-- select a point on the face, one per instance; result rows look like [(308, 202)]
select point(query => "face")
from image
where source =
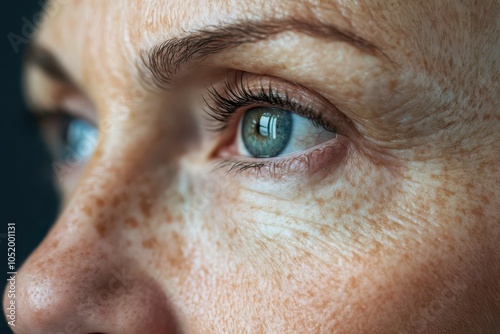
[(268, 167)]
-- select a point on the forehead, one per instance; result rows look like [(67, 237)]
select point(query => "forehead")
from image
[(102, 40), (144, 22)]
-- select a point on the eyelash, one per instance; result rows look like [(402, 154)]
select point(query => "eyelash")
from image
[(223, 106), (237, 94)]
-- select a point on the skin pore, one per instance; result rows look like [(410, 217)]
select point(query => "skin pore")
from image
[(391, 227)]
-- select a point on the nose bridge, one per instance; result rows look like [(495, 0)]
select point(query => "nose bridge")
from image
[(122, 184)]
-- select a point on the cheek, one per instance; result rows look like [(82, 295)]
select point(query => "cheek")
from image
[(301, 253), (339, 251)]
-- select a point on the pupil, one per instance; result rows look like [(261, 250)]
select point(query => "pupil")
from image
[(266, 131)]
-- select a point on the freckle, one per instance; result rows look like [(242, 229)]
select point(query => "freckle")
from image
[(435, 176), (101, 228), (478, 211), (320, 201), (115, 201), (87, 210), (150, 243), (176, 237), (485, 199), (131, 222), (100, 203), (145, 208), (302, 236), (54, 244), (233, 232), (392, 85), (353, 283), (376, 249), (324, 229), (168, 218), (355, 258), (372, 211)]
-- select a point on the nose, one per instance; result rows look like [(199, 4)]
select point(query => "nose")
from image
[(79, 288), (76, 282)]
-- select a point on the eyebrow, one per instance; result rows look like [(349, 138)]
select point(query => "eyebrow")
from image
[(165, 59), (38, 56)]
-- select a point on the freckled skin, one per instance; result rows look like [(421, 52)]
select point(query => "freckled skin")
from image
[(400, 234)]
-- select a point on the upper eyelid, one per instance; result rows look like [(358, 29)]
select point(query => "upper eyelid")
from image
[(60, 101), (58, 94), (39, 57), (245, 89)]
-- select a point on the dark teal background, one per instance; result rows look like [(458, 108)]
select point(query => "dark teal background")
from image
[(27, 196)]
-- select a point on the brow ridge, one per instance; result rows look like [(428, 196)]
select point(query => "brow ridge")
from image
[(166, 59)]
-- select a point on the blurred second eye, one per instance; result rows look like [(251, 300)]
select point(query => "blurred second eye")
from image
[(267, 132), (79, 138)]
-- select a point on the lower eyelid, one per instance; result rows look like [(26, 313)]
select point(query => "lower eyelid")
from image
[(316, 161)]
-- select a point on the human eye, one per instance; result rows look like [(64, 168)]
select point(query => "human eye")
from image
[(272, 125), (80, 137), (268, 132), (71, 139)]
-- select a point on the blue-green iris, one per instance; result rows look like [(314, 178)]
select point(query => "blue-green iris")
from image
[(266, 132), (80, 138)]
